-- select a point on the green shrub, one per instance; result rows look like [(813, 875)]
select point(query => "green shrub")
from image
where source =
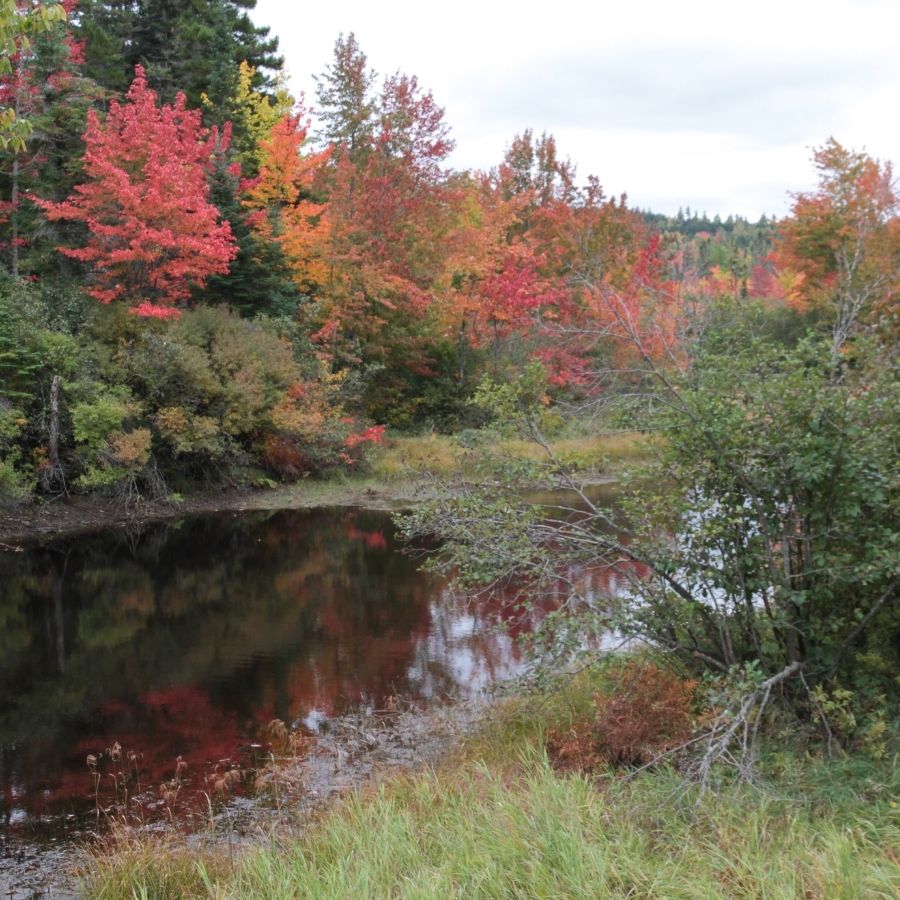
[(94, 421), (15, 485)]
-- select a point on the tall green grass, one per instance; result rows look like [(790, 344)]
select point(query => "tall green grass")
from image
[(540, 835), (486, 834), (498, 821)]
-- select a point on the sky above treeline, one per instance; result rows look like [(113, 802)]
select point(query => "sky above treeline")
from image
[(702, 104)]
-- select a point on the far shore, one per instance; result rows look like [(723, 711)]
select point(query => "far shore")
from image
[(405, 472), (43, 520)]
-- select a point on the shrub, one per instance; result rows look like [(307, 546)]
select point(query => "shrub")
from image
[(220, 392), (763, 532), (95, 420), (14, 484), (648, 711)]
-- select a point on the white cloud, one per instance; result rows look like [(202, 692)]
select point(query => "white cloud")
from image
[(702, 104)]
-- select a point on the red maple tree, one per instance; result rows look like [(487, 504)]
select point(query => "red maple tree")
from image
[(153, 232), (390, 199)]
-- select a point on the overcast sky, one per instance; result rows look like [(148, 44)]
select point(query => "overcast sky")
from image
[(680, 103)]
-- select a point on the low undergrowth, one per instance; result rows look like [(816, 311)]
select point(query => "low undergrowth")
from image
[(446, 456), (646, 712), (499, 820)]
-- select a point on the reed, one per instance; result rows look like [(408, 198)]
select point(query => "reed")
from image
[(497, 820)]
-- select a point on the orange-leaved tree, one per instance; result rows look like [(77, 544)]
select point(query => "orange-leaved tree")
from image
[(839, 250), (494, 295), (283, 205), (153, 233), (391, 202), (390, 208)]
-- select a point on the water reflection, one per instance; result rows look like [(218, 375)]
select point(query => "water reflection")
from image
[(186, 639)]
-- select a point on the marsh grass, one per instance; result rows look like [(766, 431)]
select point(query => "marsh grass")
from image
[(497, 821), (141, 865), (540, 835), (445, 456), (403, 457)]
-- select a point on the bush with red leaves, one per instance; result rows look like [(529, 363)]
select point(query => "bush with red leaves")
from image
[(283, 457), (650, 710)]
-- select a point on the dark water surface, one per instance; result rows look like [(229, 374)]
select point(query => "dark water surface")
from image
[(186, 639)]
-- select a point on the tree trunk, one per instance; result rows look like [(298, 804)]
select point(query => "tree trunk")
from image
[(14, 219), (52, 475), (14, 188)]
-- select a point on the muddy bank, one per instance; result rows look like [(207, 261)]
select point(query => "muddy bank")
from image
[(46, 519), (300, 779)]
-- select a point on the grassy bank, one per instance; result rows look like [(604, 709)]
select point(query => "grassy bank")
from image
[(498, 821), (442, 455), (400, 472)]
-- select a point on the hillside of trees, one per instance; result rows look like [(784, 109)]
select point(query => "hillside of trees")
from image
[(207, 281)]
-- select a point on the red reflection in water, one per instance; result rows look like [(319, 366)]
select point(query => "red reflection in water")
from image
[(191, 649), (157, 728), (520, 607), (375, 539)]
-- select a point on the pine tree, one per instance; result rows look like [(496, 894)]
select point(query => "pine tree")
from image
[(258, 279), (106, 29), (189, 46), (46, 88), (347, 106)]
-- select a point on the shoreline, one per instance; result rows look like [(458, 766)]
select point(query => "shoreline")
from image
[(408, 472), (359, 750), (44, 520)]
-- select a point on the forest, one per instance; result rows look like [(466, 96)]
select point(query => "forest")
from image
[(208, 285), (203, 282)]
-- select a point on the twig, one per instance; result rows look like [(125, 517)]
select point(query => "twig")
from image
[(876, 606), (814, 700), (723, 734)]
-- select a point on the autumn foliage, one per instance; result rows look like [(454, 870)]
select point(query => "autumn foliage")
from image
[(153, 233), (840, 246), (394, 282), (649, 711), (282, 204)]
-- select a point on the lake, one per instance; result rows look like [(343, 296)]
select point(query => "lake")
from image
[(187, 639), (127, 655)]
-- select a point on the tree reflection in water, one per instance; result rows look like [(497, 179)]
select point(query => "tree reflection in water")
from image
[(186, 639)]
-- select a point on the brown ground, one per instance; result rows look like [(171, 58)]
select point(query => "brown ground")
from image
[(47, 519)]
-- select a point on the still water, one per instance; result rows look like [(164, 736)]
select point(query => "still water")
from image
[(186, 639)]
